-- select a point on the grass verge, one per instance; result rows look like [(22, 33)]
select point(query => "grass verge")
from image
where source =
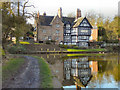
[(45, 73), (23, 42), (84, 50), (73, 55), (11, 67)]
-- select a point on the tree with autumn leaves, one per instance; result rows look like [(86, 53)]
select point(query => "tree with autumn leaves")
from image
[(108, 30)]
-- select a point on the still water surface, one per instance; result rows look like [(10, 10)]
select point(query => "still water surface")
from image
[(85, 71)]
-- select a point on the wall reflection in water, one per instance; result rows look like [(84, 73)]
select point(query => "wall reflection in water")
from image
[(79, 71)]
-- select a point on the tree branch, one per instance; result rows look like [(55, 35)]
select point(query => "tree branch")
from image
[(24, 6)]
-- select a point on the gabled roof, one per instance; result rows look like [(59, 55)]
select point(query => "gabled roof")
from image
[(80, 82), (47, 20), (79, 21), (54, 19), (68, 19)]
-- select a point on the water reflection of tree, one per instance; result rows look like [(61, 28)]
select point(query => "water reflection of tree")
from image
[(108, 68)]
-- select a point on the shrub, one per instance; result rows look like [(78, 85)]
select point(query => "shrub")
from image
[(3, 52), (75, 47), (63, 46), (16, 48), (53, 41), (48, 42)]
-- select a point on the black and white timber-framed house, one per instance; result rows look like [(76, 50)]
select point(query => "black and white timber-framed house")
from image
[(79, 32), (68, 30)]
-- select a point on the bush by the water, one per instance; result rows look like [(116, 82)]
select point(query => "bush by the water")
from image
[(16, 48), (71, 46), (48, 42), (63, 46), (113, 49)]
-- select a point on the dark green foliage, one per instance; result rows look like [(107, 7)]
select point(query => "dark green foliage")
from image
[(112, 41), (13, 25), (102, 36), (48, 42), (64, 46), (16, 49), (75, 47)]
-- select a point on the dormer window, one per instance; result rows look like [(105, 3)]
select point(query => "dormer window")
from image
[(67, 26)]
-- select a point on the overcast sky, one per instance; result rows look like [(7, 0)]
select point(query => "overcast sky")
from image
[(109, 8)]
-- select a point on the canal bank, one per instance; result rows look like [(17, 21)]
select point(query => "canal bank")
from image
[(45, 73), (50, 49)]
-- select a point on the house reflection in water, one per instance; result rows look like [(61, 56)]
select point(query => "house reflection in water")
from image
[(79, 71), (94, 68)]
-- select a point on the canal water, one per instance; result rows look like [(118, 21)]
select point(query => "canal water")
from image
[(85, 70)]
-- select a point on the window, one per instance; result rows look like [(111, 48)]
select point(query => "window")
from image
[(44, 38), (84, 31), (57, 38), (83, 44), (67, 26), (57, 31), (90, 38), (74, 39), (83, 37), (74, 31), (44, 31), (84, 23), (57, 25), (67, 37), (67, 31), (49, 38), (73, 43)]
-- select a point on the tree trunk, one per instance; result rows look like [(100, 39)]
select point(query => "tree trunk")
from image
[(17, 40), (18, 8)]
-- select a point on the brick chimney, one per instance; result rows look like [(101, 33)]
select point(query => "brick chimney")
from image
[(38, 14), (60, 12), (44, 14), (78, 13)]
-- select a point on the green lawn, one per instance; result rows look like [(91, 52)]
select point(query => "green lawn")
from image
[(3, 52), (11, 67), (45, 73), (23, 42), (73, 55), (84, 50)]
